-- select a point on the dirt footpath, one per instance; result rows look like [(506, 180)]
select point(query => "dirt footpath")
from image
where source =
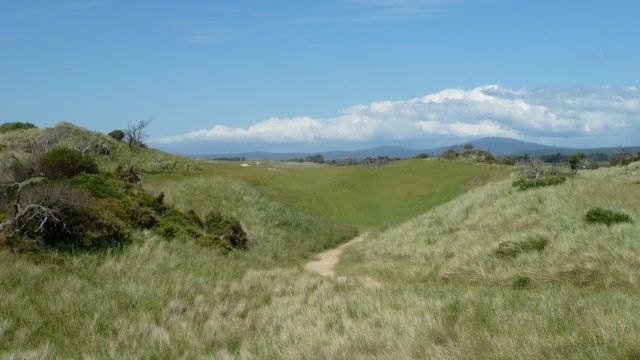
[(325, 264)]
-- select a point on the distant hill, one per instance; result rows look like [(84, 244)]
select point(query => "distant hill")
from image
[(391, 151), (496, 145), (505, 146)]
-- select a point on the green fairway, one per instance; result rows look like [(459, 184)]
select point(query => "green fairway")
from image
[(359, 196)]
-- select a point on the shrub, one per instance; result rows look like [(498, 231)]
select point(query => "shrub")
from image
[(19, 171), (576, 160), (128, 174), (11, 126), (81, 225), (85, 228), (604, 216), (117, 134), (524, 184), (97, 185), (225, 231), (511, 249), (62, 162)]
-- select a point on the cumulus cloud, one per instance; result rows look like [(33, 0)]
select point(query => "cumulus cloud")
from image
[(540, 113)]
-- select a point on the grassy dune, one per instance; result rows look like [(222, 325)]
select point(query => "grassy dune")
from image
[(447, 293)]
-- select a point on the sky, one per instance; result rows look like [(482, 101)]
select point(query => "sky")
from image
[(245, 75)]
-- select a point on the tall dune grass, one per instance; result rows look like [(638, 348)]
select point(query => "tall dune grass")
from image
[(446, 293)]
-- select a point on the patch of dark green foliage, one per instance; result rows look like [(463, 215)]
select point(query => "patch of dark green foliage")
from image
[(12, 126), (117, 135), (525, 184), (100, 210), (521, 282), (511, 249), (599, 215), (62, 162)]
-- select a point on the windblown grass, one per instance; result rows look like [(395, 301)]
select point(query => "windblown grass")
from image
[(446, 294)]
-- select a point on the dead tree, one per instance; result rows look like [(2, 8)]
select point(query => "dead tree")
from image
[(29, 212), (38, 215), (535, 167), (135, 134)]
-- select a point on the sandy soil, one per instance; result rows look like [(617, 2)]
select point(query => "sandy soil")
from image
[(325, 264)]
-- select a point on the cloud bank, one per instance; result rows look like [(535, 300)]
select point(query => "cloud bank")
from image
[(579, 116)]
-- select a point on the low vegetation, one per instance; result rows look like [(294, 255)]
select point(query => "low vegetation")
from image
[(599, 215), (488, 272), (366, 197), (548, 180)]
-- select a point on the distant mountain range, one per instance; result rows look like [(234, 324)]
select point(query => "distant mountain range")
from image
[(495, 145)]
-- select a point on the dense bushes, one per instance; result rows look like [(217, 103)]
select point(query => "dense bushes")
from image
[(99, 210), (11, 126), (604, 216), (63, 162)]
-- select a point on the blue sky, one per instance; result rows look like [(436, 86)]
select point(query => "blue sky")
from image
[(316, 75)]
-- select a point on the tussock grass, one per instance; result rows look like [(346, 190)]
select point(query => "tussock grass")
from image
[(446, 295), (456, 241)]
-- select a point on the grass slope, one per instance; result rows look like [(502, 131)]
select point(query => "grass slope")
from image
[(360, 196), (446, 295), (448, 292)]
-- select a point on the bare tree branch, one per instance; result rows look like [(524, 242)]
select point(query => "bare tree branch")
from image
[(135, 134)]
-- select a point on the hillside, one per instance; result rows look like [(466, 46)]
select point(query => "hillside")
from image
[(484, 271)]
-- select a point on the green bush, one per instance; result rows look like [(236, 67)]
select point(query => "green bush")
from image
[(511, 249), (11, 126), (224, 231), (524, 184), (604, 216), (80, 225), (19, 171), (85, 228), (117, 134), (61, 163), (98, 185)]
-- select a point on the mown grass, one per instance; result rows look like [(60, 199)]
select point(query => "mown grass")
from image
[(359, 196)]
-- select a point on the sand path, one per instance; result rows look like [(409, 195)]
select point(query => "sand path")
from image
[(325, 264)]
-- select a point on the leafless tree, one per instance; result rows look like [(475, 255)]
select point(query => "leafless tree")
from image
[(49, 139), (25, 213), (535, 167), (17, 176), (135, 134)]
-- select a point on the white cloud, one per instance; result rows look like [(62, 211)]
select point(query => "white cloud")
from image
[(540, 113)]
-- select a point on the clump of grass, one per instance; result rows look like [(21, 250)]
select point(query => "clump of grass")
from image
[(521, 282), (511, 249), (525, 184), (600, 215)]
